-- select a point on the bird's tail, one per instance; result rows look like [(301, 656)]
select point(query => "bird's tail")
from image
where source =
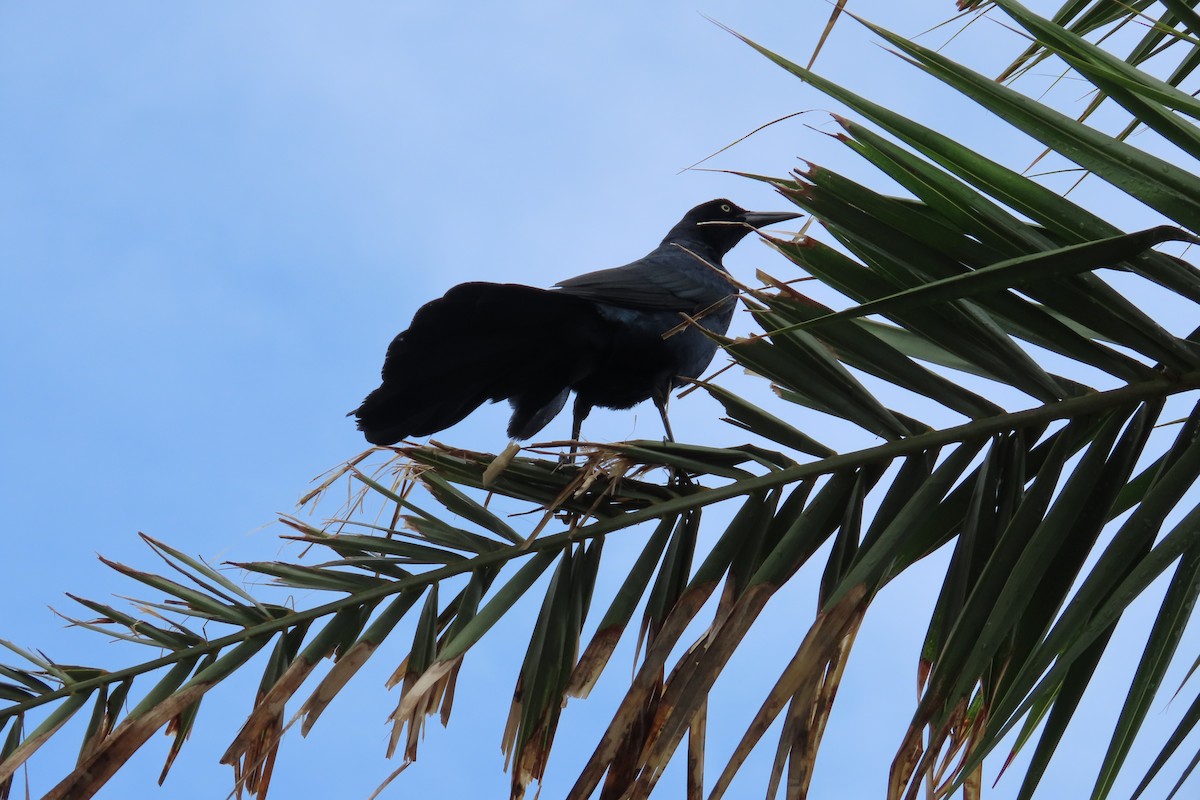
[(483, 341)]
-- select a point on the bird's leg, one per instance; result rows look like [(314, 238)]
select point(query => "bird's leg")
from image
[(661, 397), (660, 402), (578, 414)]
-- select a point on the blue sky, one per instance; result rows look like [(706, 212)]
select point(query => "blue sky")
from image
[(214, 217)]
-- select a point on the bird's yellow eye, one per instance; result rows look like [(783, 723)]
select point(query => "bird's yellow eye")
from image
[(725, 207)]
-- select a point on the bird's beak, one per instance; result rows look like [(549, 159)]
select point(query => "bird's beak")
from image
[(761, 219)]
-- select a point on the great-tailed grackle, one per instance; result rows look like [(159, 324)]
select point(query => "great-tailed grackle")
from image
[(599, 335)]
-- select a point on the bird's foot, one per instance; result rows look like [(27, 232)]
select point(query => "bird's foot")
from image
[(680, 477)]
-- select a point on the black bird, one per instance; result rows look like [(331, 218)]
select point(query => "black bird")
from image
[(599, 335)]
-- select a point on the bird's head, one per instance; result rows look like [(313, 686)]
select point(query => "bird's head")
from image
[(721, 224)]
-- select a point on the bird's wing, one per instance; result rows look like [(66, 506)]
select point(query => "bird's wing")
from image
[(674, 283)]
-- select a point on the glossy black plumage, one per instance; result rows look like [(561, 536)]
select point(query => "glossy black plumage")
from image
[(599, 335)]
